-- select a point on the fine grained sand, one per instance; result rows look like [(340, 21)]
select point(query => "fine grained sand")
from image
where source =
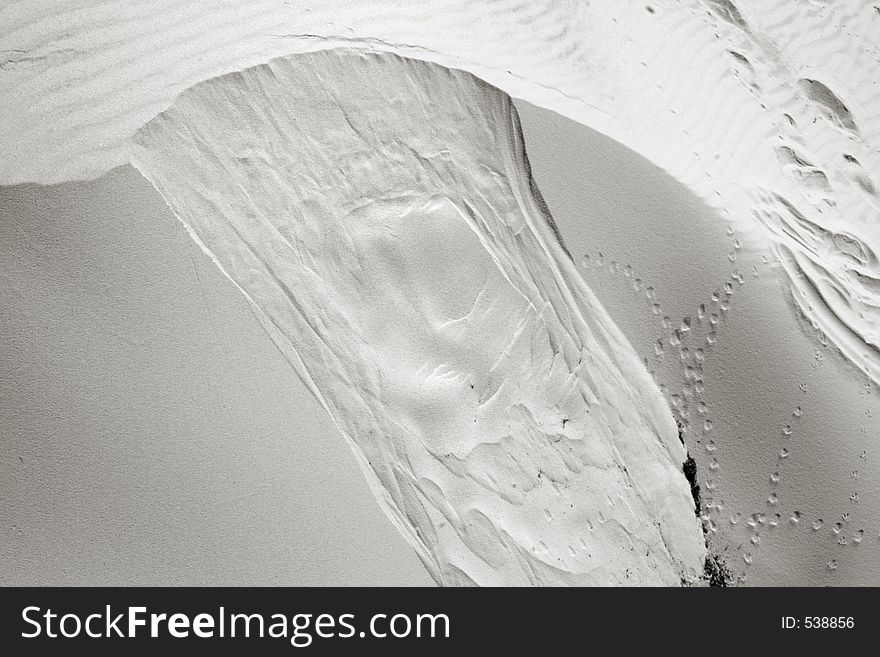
[(783, 430), (763, 108), (177, 382), (380, 214), (151, 434), (776, 128)]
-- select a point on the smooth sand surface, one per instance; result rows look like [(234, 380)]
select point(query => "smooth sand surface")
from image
[(150, 432)]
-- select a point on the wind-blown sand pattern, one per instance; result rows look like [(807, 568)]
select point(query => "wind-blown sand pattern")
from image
[(768, 108), (381, 215)]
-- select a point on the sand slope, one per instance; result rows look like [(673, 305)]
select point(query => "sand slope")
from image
[(380, 214), (767, 108), (151, 432)]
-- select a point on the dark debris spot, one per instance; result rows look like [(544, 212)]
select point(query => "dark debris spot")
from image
[(689, 467), (716, 572)]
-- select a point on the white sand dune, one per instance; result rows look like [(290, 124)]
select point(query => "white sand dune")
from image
[(380, 213), (765, 109), (768, 107)]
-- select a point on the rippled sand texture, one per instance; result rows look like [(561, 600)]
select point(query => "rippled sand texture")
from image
[(784, 432), (380, 213), (762, 107)]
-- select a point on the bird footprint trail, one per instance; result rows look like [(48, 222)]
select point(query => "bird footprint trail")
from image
[(380, 214)]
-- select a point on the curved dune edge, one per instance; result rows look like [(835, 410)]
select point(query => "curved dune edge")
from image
[(764, 108), (380, 215)]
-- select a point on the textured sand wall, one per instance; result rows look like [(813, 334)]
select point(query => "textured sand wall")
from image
[(380, 214)]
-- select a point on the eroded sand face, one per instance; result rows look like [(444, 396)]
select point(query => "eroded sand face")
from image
[(776, 129), (380, 214), (780, 120)]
